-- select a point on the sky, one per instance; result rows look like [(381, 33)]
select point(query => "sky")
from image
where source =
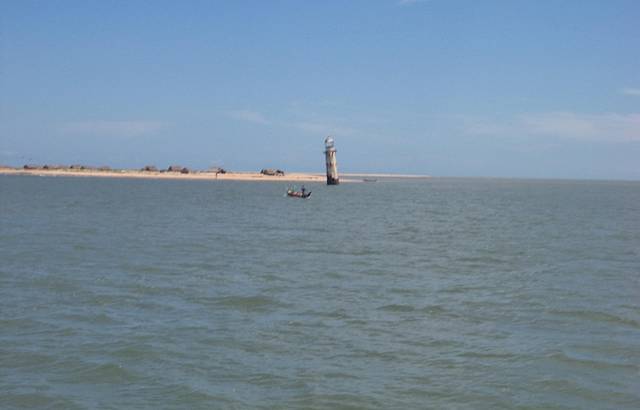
[(504, 88)]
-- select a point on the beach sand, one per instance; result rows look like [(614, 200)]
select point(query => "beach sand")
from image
[(201, 175), (229, 176)]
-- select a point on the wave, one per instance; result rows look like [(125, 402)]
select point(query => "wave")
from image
[(249, 303), (596, 316)]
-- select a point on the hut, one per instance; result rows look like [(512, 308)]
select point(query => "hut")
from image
[(217, 170), (272, 172)]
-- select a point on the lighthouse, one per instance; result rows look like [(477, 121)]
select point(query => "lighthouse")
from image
[(332, 166)]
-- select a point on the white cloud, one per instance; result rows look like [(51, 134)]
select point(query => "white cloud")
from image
[(112, 128), (7, 153), (483, 126), (609, 126), (247, 116), (323, 129), (560, 124), (316, 127), (603, 127), (631, 91)]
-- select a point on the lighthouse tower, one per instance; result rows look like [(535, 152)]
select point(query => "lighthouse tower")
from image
[(332, 166)]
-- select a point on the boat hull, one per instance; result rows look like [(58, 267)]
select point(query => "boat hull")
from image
[(296, 194)]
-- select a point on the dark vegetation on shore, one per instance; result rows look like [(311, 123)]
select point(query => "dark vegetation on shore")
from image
[(147, 168)]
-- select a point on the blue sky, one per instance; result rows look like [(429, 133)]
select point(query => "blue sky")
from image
[(513, 88)]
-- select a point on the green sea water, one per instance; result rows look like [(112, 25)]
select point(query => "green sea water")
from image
[(408, 294)]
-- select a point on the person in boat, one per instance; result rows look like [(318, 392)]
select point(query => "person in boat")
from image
[(303, 190)]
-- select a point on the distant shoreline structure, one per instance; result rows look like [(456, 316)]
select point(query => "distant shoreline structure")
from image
[(105, 172)]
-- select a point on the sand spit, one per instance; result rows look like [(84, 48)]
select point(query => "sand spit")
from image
[(150, 172), (126, 173)]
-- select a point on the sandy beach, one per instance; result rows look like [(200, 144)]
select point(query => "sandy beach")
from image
[(200, 175), (229, 176)]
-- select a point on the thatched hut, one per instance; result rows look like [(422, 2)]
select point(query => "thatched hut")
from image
[(272, 172), (217, 170)]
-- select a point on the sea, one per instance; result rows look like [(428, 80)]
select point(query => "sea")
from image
[(435, 293)]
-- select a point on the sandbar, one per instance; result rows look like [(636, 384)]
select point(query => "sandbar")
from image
[(194, 175)]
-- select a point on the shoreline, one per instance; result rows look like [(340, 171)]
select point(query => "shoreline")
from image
[(204, 176), (201, 175)]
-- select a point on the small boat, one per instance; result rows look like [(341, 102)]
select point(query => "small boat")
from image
[(369, 180), (298, 194)]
